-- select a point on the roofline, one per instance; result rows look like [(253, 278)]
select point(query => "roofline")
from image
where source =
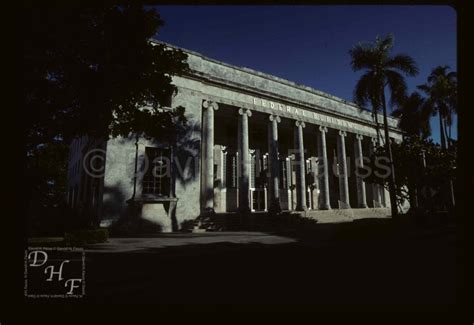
[(271, 77)]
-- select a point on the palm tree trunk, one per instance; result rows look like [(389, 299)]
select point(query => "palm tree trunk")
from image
[(441, 132), (377, 127), (376, 118), (446, 133), (388, 148)]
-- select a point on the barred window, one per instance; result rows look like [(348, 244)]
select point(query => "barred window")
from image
[(253, 169), (224, 169), (231, 170), (283, 174), (157, 179)]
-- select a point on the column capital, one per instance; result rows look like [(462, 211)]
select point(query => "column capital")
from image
[(300, 123), (359, 136), (342, 133), (323, 129), (374, 141), (274, 118), (245, 111), (208, 103)]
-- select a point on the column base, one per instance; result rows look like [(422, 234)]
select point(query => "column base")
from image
[(299, 208), (275, 207), (363, 206), (344, 205), (325, 207)]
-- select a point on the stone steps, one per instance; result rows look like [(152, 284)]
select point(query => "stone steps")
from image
[(347, 215), (232, 221)]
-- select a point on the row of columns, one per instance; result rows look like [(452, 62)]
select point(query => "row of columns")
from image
[(243, 151)]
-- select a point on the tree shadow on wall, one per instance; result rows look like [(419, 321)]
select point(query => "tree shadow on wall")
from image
[(187, 159), (185, 170)]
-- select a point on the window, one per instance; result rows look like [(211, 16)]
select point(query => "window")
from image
[(253, 170), (283, 174), (157, 178), (231, 170), (224, 169)]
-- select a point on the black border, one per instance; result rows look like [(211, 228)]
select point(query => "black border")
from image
[(460, 313)]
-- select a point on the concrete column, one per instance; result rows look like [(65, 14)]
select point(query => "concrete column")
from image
[(361, 195), (243, 141), (273, 163), (343, 176), (207, 177), (375, 187), (323, 159), (300, 170)]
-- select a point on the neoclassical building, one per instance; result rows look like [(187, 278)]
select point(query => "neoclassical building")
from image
[(253, 142)]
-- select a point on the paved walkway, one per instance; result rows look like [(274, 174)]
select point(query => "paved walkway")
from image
[(122, 245)]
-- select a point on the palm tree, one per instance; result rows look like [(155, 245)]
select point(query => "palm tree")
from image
[(414, 116), (441, 91), (383, 71)]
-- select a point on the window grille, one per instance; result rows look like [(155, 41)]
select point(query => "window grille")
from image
[(157, 179)]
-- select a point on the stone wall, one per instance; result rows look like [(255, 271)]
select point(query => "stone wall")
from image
[(118, 178), (188, 182)]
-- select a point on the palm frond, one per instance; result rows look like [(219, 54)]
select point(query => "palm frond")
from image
[(437, 72), (362, 91), (397, 87), (362, 57), (413, 119), (404, 63), (424, 88), (453, 75), (386, 43)]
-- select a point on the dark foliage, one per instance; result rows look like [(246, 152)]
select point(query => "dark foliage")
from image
[(423, 170), (91, 71)]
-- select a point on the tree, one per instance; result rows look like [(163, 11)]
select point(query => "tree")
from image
[(87, 70), (46, 172), (383, 71), (92, 71), (414, 116), (422, 172), (441, 91)]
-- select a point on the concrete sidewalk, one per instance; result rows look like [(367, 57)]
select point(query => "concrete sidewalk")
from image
[(140, 244)]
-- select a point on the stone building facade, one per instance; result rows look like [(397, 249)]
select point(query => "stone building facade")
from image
[(253, 142)]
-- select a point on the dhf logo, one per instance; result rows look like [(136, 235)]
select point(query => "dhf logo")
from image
[(54, 272)]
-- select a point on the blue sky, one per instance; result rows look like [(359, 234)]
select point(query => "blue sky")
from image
[(309, 44)]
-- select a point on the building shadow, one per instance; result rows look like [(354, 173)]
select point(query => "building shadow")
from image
[(128, 209), (371, 271)]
